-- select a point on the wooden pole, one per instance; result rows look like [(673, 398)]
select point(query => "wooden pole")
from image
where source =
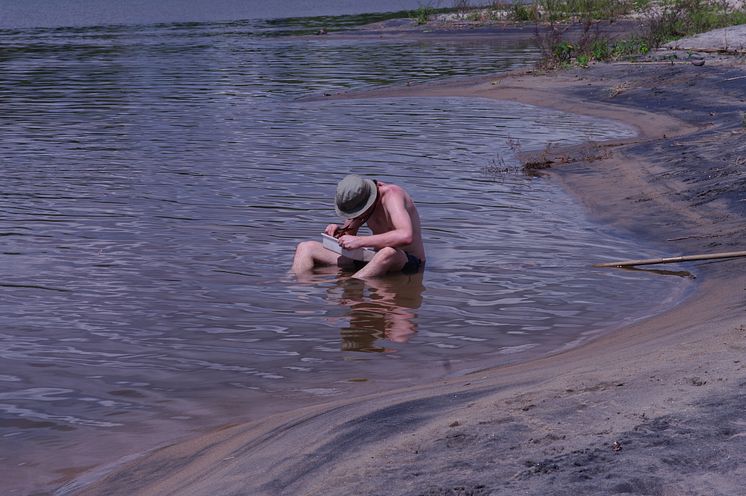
[(686, 258)]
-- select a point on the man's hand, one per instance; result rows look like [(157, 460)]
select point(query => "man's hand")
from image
[(349, 242), (349, 227), (331, 229)]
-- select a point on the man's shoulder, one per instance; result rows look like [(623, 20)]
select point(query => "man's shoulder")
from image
[(396, 197), (394, 190)]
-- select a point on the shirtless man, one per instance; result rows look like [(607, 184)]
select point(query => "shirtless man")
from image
[(391, 216)]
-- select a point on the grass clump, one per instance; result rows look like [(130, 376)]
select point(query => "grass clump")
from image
[(524, 12), (422, 14)]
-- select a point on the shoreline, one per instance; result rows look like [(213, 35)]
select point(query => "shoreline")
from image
[(655, 388)]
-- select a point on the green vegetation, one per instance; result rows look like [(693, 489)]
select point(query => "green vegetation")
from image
[(524, 12), (422, 14), (474, 15), (571, 31), (582, 10), (627, 48), (599, 49), (567, 30), (563, 52), (563, 10), (671, 19)]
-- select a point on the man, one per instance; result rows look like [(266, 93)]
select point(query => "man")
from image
[(391, 216)]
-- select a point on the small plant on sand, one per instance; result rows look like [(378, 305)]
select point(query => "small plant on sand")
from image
[(619, 88), (629, 47), (518, 162), (515, 147), (422, 14), (497, 168), (522, 12), (600, 49), (563, 52)]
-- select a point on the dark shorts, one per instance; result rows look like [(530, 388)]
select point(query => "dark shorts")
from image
[(412, 266)]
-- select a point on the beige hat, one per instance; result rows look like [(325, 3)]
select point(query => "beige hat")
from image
[(355, 195)]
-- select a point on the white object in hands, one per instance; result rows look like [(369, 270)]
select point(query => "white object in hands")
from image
[(362, 254)]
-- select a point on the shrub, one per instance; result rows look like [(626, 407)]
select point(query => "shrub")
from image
[(422, 14), (563, 51), (524, 12), (567, 30), (600, 49)]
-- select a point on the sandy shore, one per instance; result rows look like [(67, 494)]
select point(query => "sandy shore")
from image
[(657, 408)]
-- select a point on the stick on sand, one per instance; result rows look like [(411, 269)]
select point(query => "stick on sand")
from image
[(687, 258)]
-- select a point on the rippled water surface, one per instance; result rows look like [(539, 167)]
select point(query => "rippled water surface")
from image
[(155, 179)]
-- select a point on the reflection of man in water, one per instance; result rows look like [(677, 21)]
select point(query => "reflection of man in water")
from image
[(387, 312), (391, 216)]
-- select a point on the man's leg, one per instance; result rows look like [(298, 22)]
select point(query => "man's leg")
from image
[(310, 254), (384, 261)]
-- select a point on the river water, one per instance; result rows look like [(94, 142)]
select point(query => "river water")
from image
[(156, 177)]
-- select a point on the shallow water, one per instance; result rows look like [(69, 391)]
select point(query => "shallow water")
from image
[(156, 179)]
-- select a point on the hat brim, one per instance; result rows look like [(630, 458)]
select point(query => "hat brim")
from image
[(371, 200)]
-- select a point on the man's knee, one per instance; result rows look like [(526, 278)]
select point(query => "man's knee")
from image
[(304, 259), (390, 256), (305, 247)]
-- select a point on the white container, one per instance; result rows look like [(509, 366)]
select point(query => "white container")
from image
[(361, 254)]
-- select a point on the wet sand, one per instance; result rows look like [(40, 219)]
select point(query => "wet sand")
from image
[(657, 408)]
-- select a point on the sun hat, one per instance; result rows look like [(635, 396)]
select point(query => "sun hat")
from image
[(355, 195)]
